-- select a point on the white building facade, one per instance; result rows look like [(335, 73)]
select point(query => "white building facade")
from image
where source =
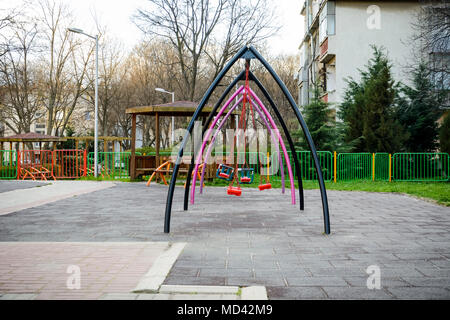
[(338, 39)]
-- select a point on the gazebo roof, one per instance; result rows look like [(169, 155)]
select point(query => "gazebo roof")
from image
[(31, 137), (176, 109)]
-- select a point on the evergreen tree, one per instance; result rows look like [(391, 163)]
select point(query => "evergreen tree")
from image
[(369, 108), (419, 113), (444, 134), (318, 118), (350, 112)]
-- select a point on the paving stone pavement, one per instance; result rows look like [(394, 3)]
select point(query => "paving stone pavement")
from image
[(73, 270), (21, 199), (261, 239)]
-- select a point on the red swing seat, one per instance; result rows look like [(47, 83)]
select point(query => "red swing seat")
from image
[(265, 186), (246, 180), (234, 191), (224, 175)]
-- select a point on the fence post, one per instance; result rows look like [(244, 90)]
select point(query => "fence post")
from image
[(85, 162), (18, 164), (373, 166), (335, 166), (390, 167), (52, 153)]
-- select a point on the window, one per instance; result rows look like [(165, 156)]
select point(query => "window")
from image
[(327, 21), (331, 17), (439, 64), (87, 116), (40, 126), (323, 24)]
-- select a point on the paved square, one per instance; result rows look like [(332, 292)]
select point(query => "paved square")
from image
[(261, 239), (43, 269)]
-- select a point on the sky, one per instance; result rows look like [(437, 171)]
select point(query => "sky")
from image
[(115, 14)]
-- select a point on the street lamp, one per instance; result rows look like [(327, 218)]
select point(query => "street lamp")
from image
[(173, 118), (75, 30)]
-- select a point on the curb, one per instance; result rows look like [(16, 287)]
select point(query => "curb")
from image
[(153, 279)]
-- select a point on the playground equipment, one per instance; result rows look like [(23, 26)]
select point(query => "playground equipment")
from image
[(247, 53), (267, 185), (225, 172), (161, 170), (36, 164), (246, 175)]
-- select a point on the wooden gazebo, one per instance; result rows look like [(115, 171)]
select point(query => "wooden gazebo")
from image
[(28, 138), (173, 109)]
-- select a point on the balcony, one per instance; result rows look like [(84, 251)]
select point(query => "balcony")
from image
[(325, 55)]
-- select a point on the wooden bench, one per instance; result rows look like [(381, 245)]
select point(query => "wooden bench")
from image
[(146, 165), (164, 169)]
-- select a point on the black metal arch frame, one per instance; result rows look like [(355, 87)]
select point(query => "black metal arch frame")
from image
[(266, 94), (246, 53), (239, 77)]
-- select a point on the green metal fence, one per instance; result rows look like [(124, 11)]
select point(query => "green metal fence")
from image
[(114, 165), (420, 167), (382, 166), (305, 159), (354, 166), (307, 168), (8, 164), (350, 166)]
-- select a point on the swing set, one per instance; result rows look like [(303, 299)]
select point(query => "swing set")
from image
[(245, 175), (234, 173)]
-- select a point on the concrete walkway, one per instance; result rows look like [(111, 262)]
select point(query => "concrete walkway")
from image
[(260, 239), (101, 270), (37, 193), (10, 185), (49, 270)]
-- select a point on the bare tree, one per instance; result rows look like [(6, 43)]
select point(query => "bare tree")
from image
[(6, 20), (125, 98), (244, 22), (64, 75), (22, 92), (432, 34), (7, 17), (285, 66), (154, 64), (111, 77), (196, 29)]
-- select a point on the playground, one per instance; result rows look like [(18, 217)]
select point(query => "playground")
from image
[(262, 242), (248, 225)]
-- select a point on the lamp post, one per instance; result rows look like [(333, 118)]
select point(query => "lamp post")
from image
[(173, 118), (75, 30)]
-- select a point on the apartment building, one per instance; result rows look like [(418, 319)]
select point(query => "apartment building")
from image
[(338, 38)]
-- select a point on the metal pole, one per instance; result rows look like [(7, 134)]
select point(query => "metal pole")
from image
[(308, 137), (189, 131), (173, 121), (96, 110), (75, 30), (288, 137), (205, 127)]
